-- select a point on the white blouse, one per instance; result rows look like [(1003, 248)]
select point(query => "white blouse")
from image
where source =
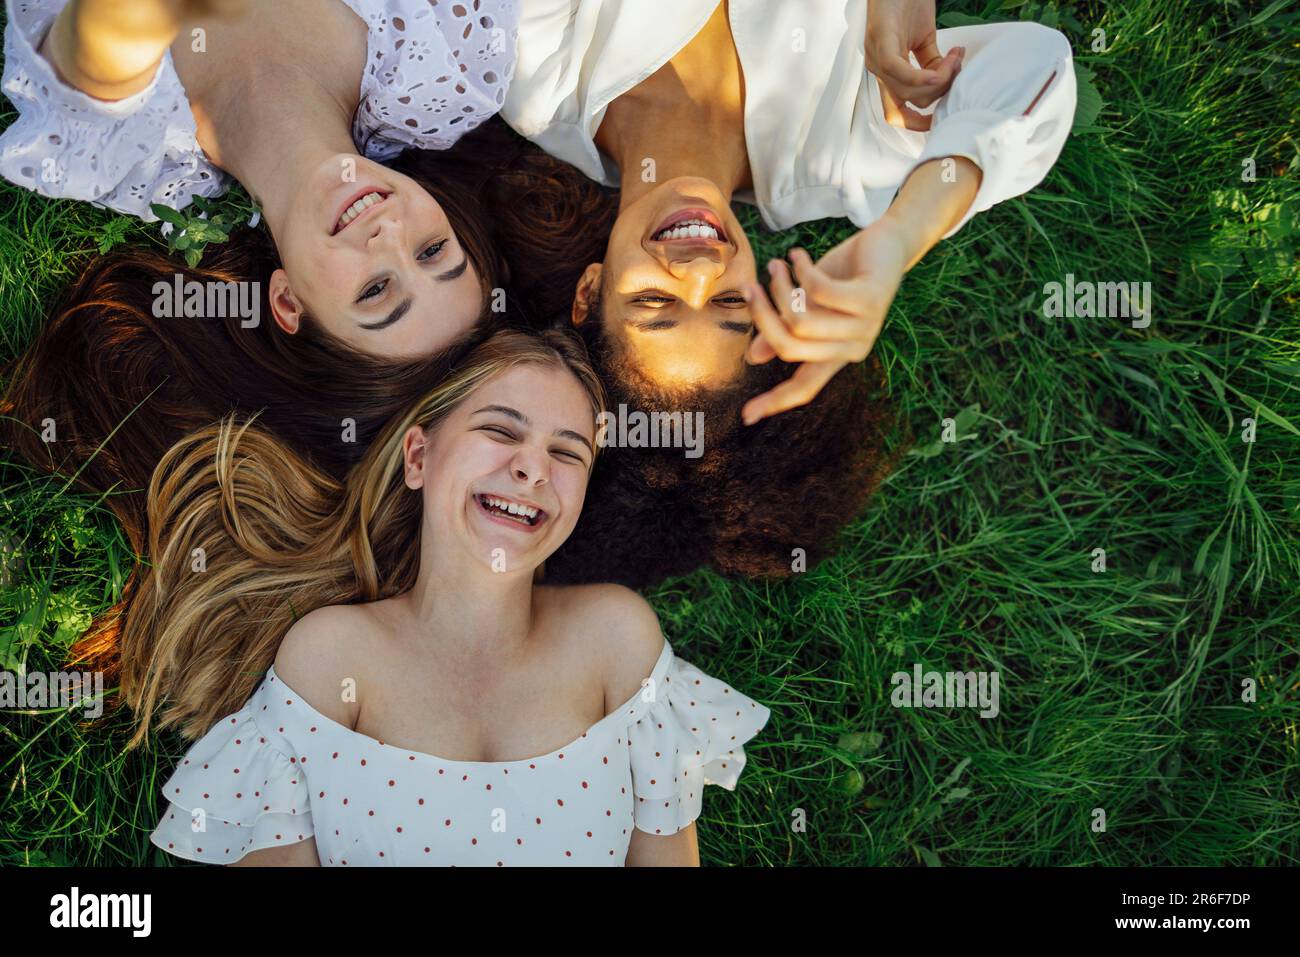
[(278, 772), (434, 71), (819, 145)]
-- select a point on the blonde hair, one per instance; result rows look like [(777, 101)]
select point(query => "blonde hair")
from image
[(246, 537)]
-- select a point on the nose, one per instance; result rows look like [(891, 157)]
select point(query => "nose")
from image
[(386, 232), (530, 467), (698, 273)]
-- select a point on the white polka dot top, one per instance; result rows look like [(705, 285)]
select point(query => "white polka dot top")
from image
[(435, 69), (279, 772)]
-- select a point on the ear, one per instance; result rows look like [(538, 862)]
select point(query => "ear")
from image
[(285, 307), (587, 287), (413, 446)]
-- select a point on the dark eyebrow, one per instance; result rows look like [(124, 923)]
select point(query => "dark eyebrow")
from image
[(454, 272), (391, 318), (520, 417), (652, 325), (731, 325), (505, 410), (570, 434)]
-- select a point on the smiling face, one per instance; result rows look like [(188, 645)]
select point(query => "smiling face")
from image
[(507, 468), (373, 259), (669, 288)]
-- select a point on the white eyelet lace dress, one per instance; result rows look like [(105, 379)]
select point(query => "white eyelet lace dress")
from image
[(435, 69), (278, 772)]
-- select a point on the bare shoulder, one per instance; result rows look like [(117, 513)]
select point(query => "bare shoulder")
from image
[(321, 650), (616, 627)]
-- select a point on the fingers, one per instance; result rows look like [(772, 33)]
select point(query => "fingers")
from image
[(782, 287), (822, 309), (788, 346), (923, 85), (927, 52), (905, 78), (901, 114), (759, 351), (800, 389), (820, 288)]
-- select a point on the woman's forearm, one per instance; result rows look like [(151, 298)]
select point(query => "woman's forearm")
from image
[(109, 49), (931, 201)]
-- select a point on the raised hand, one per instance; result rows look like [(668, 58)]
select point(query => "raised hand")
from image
[(832, 319)]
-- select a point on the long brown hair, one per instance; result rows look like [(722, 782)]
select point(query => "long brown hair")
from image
[(246, 536), (122, 385)]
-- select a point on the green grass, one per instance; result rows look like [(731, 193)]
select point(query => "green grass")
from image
[(1120, 690)]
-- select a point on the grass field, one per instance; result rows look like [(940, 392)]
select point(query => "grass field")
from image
[(1121, 690)]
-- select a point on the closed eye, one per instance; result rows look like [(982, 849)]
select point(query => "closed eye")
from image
[(498, 430), (573, 455), (730, 299)]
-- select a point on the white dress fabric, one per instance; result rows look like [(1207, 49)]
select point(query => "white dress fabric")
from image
[(435, 69), (819, 144), (277, 772)]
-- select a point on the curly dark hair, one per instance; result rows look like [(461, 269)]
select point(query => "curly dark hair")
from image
[(754, 495)]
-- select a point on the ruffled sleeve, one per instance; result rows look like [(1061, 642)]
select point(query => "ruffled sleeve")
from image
[(692, 733), (124, 154), (238, 789), (433, 71), (983, 116)]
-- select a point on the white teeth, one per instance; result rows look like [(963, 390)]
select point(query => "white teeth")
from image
[(357, 208), (512, 508), (688, 229)]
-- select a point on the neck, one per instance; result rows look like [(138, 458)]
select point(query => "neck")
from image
[(463, 609), (679, 146), (272, 156)]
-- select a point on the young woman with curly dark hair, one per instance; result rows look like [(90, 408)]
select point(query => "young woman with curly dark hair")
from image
[(685, 105)]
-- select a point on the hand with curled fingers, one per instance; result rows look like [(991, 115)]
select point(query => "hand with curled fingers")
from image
[(895, 29), (831, 319)]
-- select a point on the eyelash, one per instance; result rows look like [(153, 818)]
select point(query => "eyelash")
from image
[(381, 286), (727, 299), (506, 432)]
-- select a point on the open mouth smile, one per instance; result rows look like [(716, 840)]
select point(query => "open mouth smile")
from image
[(691, 225), (508, 511), (356, 208)]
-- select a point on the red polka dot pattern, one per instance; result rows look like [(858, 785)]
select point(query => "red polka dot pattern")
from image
[(398, 806)]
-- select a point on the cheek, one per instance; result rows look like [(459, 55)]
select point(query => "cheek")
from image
[(572, 491)]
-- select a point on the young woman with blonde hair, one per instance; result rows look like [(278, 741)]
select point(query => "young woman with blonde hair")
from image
[(364, 663)]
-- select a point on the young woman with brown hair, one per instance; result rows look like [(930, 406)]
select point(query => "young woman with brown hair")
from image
[(361, 663), (132, 103)]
